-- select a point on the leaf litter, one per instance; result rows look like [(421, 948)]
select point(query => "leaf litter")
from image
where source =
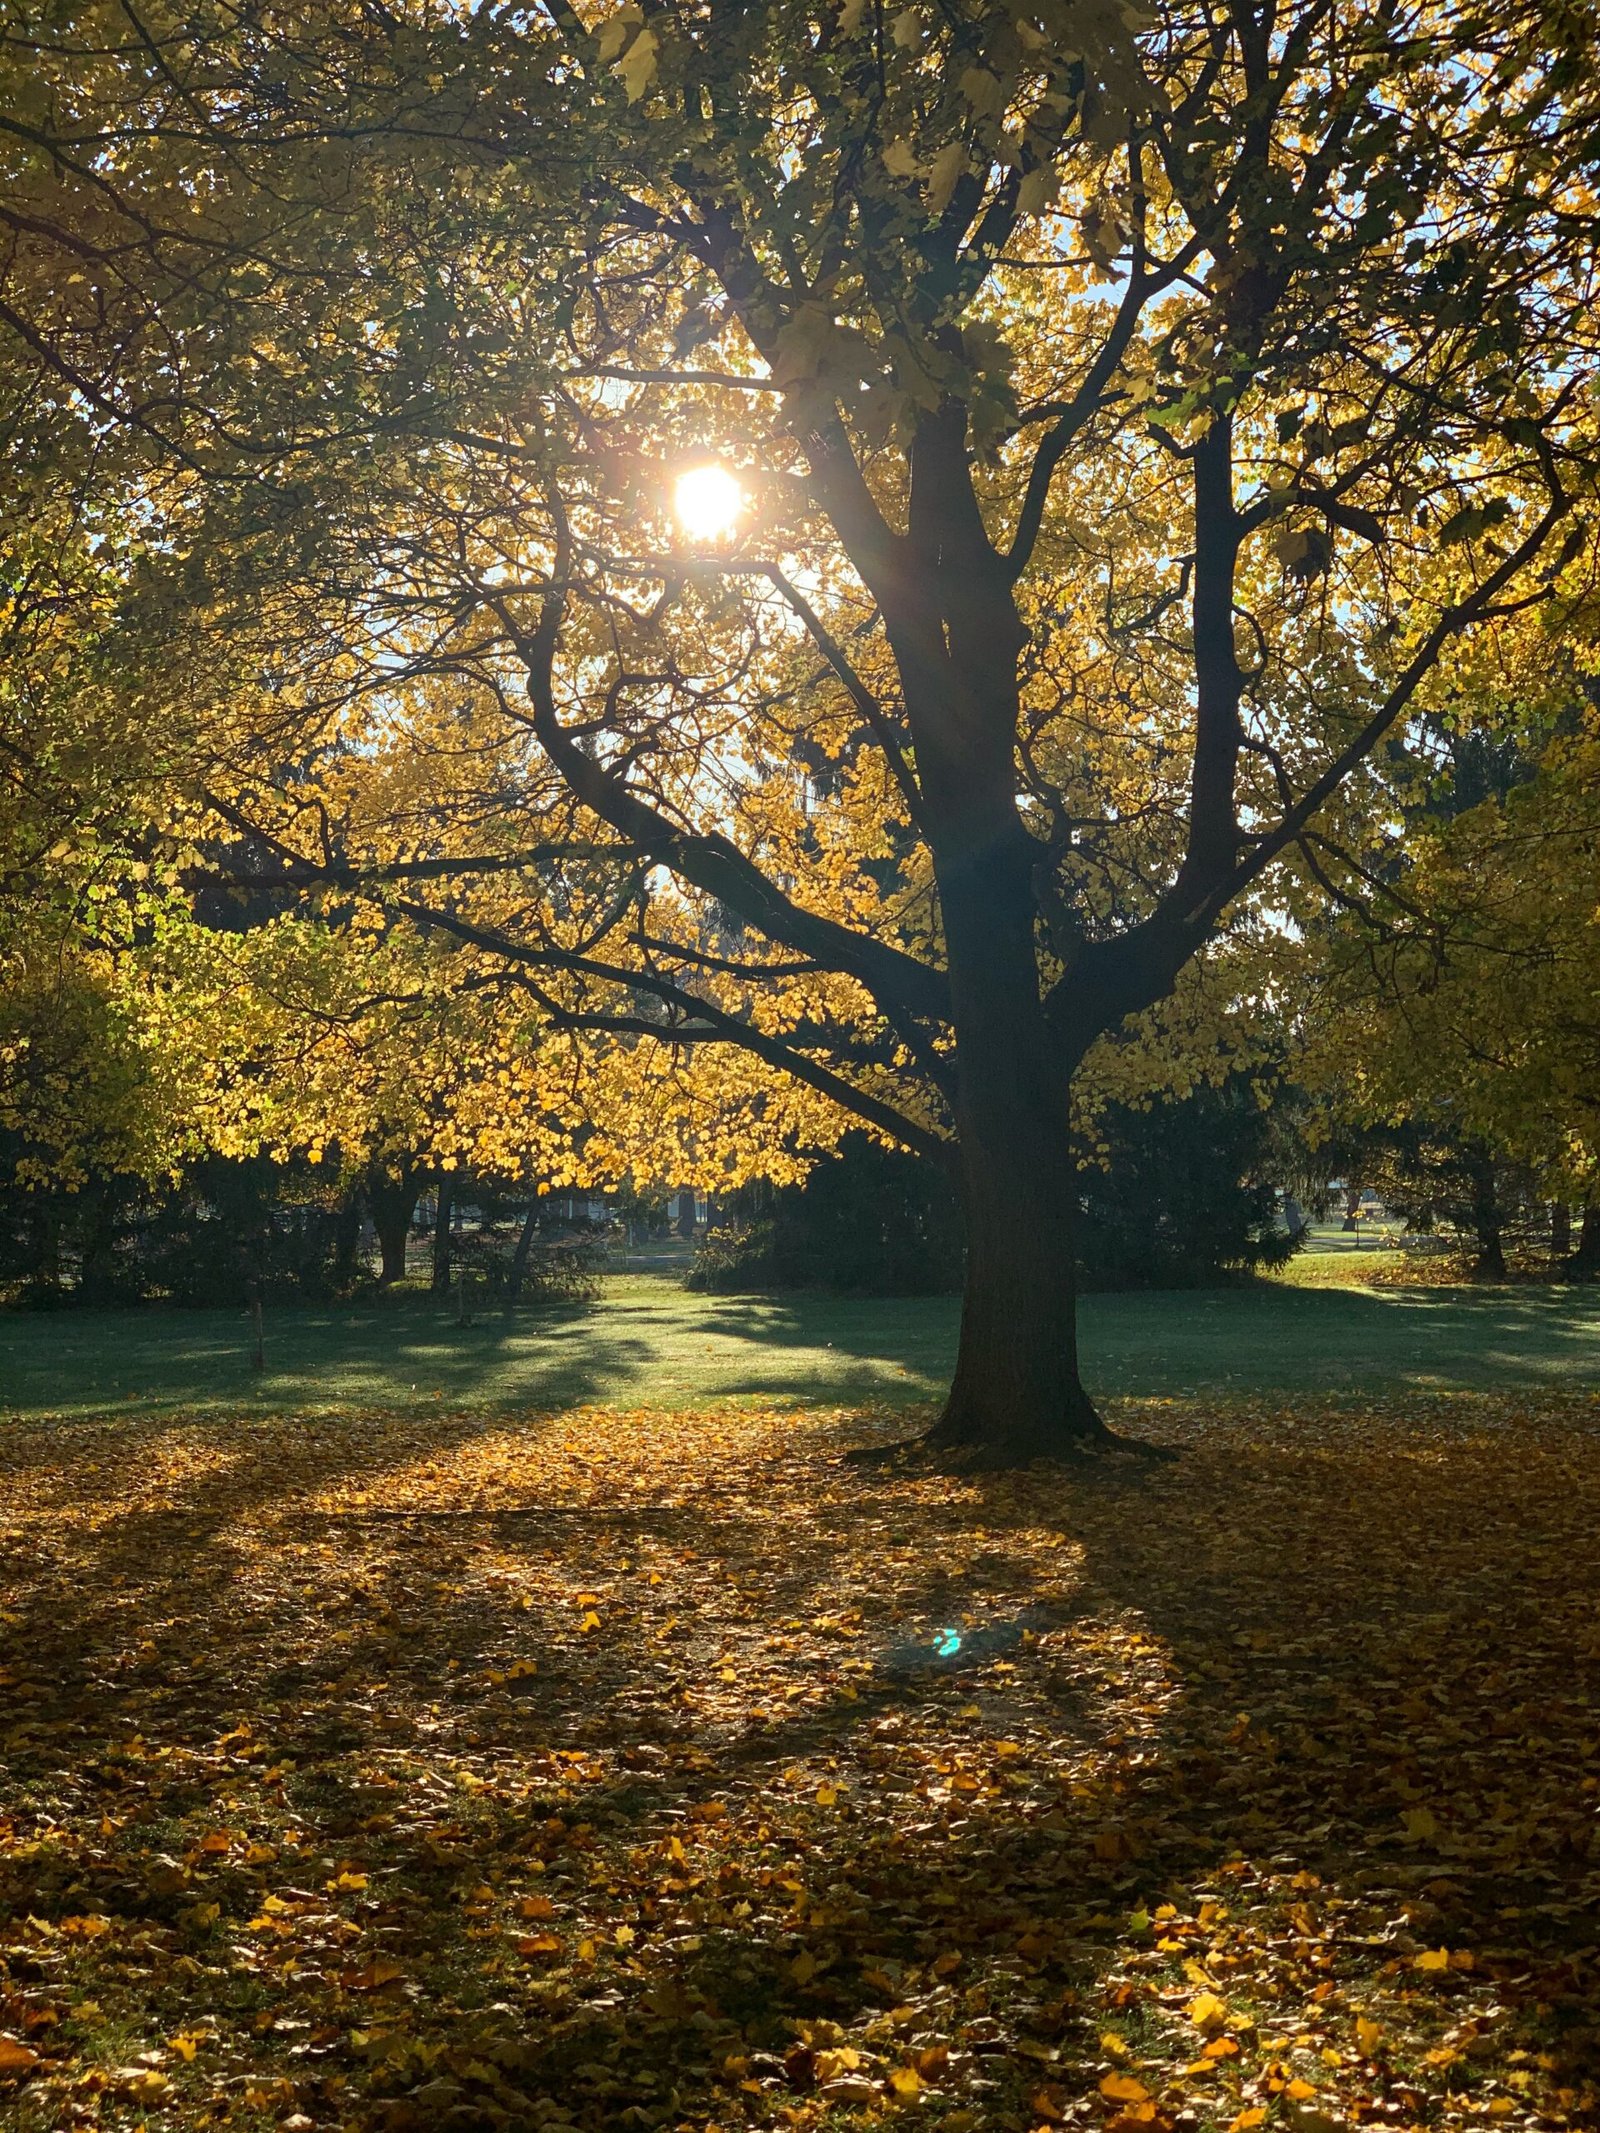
[(645, 1770)]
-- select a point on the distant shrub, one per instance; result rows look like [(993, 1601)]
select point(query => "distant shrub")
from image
[(733, 1257), (869, 1221), (1184, 1195), (1181, 1197), (549, 1270)]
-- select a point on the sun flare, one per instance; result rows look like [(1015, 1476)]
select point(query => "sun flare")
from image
[(708, 502)]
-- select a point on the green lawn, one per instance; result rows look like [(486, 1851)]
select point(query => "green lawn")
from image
[(649, 1343)]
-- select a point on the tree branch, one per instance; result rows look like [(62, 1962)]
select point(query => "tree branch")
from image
[(724, 1028), (903, 988)]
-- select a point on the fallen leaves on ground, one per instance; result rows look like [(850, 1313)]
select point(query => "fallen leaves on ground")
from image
[(656, 1771)]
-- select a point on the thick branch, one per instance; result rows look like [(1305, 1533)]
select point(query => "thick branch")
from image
[(902, 987), (725, 1028)]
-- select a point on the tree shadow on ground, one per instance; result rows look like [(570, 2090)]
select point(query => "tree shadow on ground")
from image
[(405, 1351), (815, 1761), (1260, 1336)]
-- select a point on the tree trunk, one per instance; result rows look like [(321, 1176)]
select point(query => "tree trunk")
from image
[(1017, 1394), (1488, 1222), (44, 1247), (393, 1202), (97, 1282), (347, 1239), (441, 1232), (1560, 1230), (1584, 1265), (523, 1252)]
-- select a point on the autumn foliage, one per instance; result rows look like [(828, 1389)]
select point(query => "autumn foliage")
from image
[(620, 1770)]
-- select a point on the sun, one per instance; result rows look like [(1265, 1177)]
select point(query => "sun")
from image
[(708, 502)]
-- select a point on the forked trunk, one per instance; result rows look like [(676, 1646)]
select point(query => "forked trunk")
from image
[(1017, 1394), (392, 1202)]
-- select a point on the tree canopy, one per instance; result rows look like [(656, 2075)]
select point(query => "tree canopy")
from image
[(1122, 422)]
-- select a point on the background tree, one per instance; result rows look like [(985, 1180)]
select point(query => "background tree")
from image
[(1129, 420), (1454, 994)]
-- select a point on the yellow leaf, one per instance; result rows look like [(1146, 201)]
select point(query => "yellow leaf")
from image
[(1257, 2116), (16, 2058), (1037, 191), (614, 30), (1207, 2012), (1123, 2088), (905, 2081), (827, 1795), (1369, 2035), (372, 1977), (1421, 1824), (1433, 1959), (804, 1967), (637, 65), (943, 172)]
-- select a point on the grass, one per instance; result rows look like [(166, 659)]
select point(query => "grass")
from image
[(649, 1342)]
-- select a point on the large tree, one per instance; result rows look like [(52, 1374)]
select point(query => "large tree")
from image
[(1130, 411)]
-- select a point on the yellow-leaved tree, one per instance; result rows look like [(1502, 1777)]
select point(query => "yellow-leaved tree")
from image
[(858, 540)]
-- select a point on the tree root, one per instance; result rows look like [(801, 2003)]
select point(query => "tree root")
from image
[(935, 1452)]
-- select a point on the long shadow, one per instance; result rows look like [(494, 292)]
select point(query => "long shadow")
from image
[(1260, 1336), (405, 1355), (1253, 1667), (811, 1349)]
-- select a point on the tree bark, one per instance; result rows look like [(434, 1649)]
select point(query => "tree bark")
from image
[(347, 1239), (524, 1251), (441, 1232), (393, 1201), (1017, 1394), (1584, 1265), (1488, 1221)]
